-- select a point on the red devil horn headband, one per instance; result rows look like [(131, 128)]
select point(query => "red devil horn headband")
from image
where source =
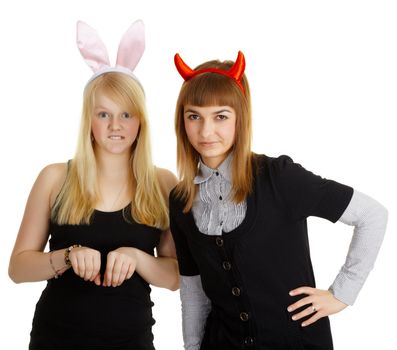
[(236, 72)]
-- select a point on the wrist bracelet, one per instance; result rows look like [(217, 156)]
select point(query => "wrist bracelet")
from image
[(67, 252), (57, 272)]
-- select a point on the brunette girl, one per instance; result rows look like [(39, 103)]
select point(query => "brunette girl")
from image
[(239, 223)]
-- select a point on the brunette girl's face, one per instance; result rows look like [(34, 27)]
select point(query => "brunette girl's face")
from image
[(211, 131), (114, 130)]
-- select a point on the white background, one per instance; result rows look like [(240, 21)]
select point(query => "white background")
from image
[(323, 78)]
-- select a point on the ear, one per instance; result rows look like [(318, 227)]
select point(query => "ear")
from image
[(91, 47), (131, 46)]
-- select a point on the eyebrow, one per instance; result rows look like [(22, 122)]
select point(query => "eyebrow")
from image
[(100, 107), (216, 112)]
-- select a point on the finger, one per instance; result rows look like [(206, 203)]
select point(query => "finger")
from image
[(302, 290), (131, 270), (96, 266), (107, 278), (123, 273), (301, 302), (306, 312), (82, 267), (97, 279), (116, 274), (311, 320), (89, 268)]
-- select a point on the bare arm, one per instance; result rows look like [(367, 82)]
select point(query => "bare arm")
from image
[(164, 272), (28, 262)]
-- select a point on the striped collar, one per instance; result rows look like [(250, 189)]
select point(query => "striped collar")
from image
[(205, 173)]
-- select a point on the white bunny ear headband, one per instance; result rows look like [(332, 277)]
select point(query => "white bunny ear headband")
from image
[(94, 52)]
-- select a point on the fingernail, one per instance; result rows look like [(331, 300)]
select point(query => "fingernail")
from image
[(290, 309), (294, 318), (303, 324), (291, 293)]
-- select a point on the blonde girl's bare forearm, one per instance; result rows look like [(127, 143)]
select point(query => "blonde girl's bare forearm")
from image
[(159, 271), (34, 266)]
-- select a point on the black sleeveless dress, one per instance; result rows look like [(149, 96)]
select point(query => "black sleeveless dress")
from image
[(76, 314)]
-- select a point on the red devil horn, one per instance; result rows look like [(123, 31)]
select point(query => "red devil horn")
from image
[(237, 71), (184, 70)]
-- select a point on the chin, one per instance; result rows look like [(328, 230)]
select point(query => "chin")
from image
[(212, 154), (119, 151)]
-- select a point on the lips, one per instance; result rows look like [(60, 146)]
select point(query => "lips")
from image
[(208, 144), (116, 137)]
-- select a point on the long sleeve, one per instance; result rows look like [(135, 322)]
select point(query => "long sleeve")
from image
[(369, 219), (195, 309)]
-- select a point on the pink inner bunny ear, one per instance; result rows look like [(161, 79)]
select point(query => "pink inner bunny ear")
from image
[(91, 47), (131, 46)]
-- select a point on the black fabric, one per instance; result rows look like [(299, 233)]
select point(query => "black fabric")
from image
[(265, 257), (76, 314)]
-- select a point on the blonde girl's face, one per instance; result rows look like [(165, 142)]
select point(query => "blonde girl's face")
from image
[(114, 130), (211, 131)]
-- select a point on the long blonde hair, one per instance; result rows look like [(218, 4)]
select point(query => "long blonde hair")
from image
[(79, 194), (213, 89)]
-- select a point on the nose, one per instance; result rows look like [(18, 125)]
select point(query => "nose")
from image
[(115, 123), (207, 128)]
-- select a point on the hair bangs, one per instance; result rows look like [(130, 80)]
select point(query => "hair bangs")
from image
[(122, 89), (211, 89)]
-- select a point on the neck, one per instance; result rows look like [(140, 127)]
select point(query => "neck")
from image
[(113, 167), (114, 181), (214, 162)]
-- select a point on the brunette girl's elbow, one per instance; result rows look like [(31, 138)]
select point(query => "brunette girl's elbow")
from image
[(174, 286)]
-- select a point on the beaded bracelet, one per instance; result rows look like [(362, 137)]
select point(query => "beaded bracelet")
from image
[(67, 252), (57, 272)]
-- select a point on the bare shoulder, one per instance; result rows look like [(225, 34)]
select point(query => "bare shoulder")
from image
[(54, 172), (51, 178), (166, 179)]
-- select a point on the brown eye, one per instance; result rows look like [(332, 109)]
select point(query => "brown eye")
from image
[(126, 115), (193, 117), (103, 115)]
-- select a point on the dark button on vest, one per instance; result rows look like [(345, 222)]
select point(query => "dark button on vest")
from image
[(249, 341), (236, 291), (219, 241), (244, 316), (226, 265)]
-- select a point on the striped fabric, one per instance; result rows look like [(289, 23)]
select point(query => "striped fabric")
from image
[(213, 210)]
